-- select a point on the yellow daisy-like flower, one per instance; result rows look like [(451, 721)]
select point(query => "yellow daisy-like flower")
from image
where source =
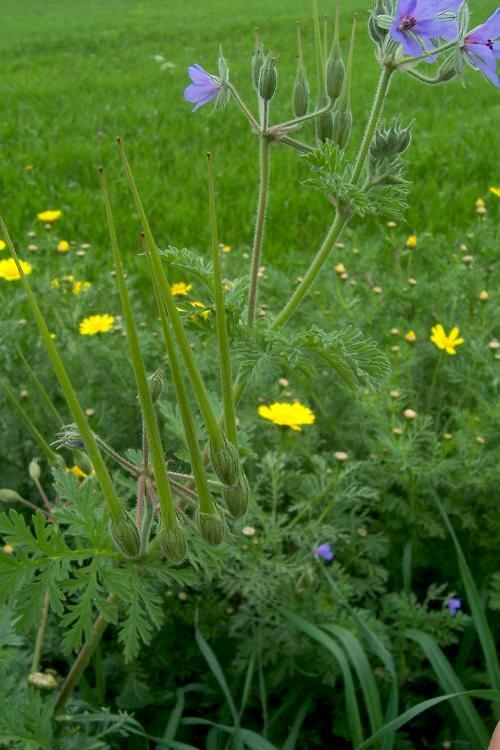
[(9, 271), (288, 415), (446, 342), (79, 474), (2, 245), (484, 296), (49, 216), (96, 324), (80, 286), (411, 337), (225, 248), (411, 241), (63, 246), (180, 289), (495, 191), (340, 268)]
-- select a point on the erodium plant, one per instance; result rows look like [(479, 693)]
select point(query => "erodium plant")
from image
[(177, 513)]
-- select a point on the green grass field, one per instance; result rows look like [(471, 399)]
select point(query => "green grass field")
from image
[(75, 74)]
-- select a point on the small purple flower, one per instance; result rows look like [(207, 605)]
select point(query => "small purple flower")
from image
[(482, 47), (325, 551), (419, 22), (454, 604), (203, 88)]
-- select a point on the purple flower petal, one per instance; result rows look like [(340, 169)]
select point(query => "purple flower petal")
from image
[(203, 88), (325, 551), (483, 59), (405, 8), (454, 604)]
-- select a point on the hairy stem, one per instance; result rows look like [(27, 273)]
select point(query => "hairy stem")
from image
[(40, 635), (264, 165)]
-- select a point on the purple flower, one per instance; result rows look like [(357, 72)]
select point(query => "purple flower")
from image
[(454, 604), (482, 47), (325, 551), (203, 88), (419, 22)]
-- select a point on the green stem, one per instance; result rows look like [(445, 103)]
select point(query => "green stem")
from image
[(82, 660), (226, 377), (298, 145), (312, 272), (51, 456), (115, 507), (152, 430), (299, 120), (40, 635), (378, 103), (241, 104), (207, 504), (40, 388), (436, 51), (320, 72), (197, 383), (264, 165)]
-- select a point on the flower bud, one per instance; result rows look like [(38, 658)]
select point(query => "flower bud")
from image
[(335, 72), (268, 77), (324, 126), (237, 496), (300, 96), (9, 496), (172, 542), (212, 528), (155, 382), (34, 470), (376, 31), (225, 462), (447, 69), (342, 123), (125, 535)]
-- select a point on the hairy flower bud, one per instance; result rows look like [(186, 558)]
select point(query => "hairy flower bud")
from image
[(172, 542), (225, 462), (376, 31), (268, 77), (9, 496), (335, 73), (237, 496), (390, 142), (447, 69), (34, 470), (155, 382), (342, 123), (212, 528), (324, 126), (125, 535), (300, 96)]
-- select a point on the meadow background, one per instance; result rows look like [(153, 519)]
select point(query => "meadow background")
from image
[(74, 76)]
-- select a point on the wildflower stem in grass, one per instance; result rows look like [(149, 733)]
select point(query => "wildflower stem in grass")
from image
[(339, 221), (51, 456), (305, 148), (114, 505), (264, 167), (160, 276), (166, 501), (226, 377), (434, 51), (241, 104), (206, 501), (300, 120), (35, 662), (43, 393), (82, 660)]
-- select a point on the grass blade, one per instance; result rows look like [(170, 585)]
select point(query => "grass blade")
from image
[(465, 711), (476, 605), (292, 738), (351, 701), (407, 716)]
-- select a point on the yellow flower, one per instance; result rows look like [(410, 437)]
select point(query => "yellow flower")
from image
[(9, 272), (197, 303), (55, 283), (442, 341), (288, 415), (411, 241), (479, 203), (225, 248), (484, 296), (80, 286), (411, 337), (180, 289), (495, 191), (49, 216), (79, 474), (2, 245), (63, 246), (340, 268), (96, 324)]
